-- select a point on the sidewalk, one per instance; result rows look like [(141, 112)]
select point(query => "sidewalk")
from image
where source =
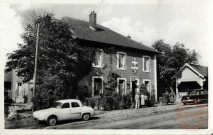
[(128, 113), (116, 115)]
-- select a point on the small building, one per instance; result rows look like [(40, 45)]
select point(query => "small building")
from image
[(189, 77), (15, 89)]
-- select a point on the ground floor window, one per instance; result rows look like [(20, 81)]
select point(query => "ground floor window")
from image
[(121, 85), (97, 86), (148, 84)]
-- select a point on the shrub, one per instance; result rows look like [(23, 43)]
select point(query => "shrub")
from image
[(165, 98)]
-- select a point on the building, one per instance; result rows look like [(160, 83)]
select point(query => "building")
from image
[(15, 89), (134, 62), (190, 77)]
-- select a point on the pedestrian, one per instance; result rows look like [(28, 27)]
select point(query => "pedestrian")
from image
[(137, 100), (171, 97), (142, 99), (146, 100), (152, 98)]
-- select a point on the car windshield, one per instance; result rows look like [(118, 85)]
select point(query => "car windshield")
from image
[(56, 105)]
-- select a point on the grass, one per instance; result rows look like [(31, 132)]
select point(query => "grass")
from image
[(24, 123)]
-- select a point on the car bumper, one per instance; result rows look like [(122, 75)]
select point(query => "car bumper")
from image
[(188, 101)]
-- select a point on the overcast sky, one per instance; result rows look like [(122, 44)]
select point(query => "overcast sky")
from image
[(188, 22)]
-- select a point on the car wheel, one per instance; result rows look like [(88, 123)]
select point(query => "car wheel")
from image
[(85, 117), (52, 120)]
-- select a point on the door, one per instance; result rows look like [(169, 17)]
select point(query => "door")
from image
[(75, 110), (65, 112)]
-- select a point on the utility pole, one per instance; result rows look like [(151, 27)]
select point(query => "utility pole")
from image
[(36, 59)]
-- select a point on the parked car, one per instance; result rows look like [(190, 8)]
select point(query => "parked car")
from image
[(196, 96), (64, 110)]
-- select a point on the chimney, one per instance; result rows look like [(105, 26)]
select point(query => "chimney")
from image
[(92, 20)]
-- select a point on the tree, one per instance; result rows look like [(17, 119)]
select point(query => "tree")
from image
[(62, 60), (171, 59)]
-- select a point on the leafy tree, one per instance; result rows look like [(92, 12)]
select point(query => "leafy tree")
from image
[(171, 59), (62, 60)]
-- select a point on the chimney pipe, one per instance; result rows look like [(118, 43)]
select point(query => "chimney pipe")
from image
[(92, 20)]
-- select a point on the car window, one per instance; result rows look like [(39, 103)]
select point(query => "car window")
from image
[(65, 105), (75, 104), (56, 105)]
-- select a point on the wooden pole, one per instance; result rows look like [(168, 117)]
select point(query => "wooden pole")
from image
[(36, 59)]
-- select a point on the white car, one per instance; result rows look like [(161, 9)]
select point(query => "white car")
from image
[(64, 110)]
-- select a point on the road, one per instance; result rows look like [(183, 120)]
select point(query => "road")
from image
[(155, 121)]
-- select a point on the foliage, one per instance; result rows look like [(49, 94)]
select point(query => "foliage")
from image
[(108, 98), (170, 61), (112, 79), (62, 61), (128, 100), (143, 89), (165, 98)]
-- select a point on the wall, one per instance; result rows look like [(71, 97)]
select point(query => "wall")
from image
[(85, 85)]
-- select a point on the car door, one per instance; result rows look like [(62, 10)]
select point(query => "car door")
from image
[(65, 111), (75, 110)]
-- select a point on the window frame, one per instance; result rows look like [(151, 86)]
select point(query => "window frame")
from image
[(125, 80), (74, 102), (101, 59), (124, 67), (150, 86), (65, 103), (93, 79), (148, 70)]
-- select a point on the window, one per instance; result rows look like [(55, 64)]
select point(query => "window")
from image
[(121, 60), (148, 84), (146, 64), (121, 85), (75, 104), (66, 105), (97, 85), (98, 59)]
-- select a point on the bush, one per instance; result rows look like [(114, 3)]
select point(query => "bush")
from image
[(165, 98)]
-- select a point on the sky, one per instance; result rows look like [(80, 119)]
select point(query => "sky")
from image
[(188, 22)]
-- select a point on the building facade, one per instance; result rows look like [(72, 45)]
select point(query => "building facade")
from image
[(134, 62)]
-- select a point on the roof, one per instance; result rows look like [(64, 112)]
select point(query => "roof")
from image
[(203, 70), (198, 69), (68, 100), (102, 34)]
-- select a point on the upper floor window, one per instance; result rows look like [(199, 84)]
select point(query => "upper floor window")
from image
[(146, 64), (121, 60), (98, 58)]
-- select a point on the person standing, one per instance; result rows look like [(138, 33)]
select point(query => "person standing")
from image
[(137, 100), (142, 99), (146, 100)]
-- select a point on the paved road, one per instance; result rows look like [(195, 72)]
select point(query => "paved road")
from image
[(155, 121)]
